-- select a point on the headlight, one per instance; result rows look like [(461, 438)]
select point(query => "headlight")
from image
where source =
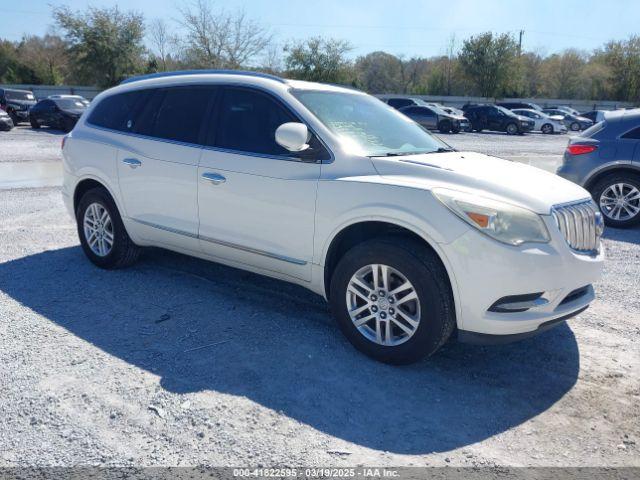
[(501, 221)]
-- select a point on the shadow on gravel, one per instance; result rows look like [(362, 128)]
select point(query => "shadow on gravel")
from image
[(201, 326), (627, 235)]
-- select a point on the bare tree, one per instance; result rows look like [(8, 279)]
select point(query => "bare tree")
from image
[(218, 39), (161, 40)]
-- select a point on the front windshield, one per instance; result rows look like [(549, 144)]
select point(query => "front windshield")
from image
[(368, 126), (13, 95), (70, 103)]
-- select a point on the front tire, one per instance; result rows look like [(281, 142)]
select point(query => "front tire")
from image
[(618, 196), (34, 124), (103, 237), (574, 127), (444, 126), (511, 129), (392, 299), (547, 129)]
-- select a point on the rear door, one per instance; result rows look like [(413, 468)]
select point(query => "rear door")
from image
[(158, 163), (256, 200)]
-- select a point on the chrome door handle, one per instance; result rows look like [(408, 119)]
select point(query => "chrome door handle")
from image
[(214, 178), (132, 162)]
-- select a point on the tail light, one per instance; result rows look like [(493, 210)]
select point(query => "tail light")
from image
[(580, 149)]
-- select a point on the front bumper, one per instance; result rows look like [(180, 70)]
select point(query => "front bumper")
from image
[(486, 270), (6, 124)]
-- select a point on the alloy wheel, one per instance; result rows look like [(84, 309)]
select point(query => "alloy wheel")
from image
[(620, 201), (383, 305), (98, 229)]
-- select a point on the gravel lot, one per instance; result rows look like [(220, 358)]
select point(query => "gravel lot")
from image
[(177, 361)]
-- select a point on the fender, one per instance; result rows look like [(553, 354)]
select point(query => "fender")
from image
[(609, 167), (428, 239)]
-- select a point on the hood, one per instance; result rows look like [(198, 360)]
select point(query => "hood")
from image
[(583, 119), (76, 112), (524, 119), (455, 116), (22, 103), (557, 118), (483, 175)]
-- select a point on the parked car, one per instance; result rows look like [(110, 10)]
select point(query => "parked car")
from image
[(605, 159), (594, 115), (79, 98), (573, 122), (566, 108), (401, 102), (520, 105), (458, 112), (17, 104), (493, 117), (434, 118), (6, 123), (542, 122), (61, 113), (326, 187)]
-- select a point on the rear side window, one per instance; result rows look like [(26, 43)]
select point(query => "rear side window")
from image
[(181, 113), (593, 129), (117, 111), (633, 134), (247, 122), (400, 102)]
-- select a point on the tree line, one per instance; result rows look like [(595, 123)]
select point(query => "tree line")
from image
[(102, 46)]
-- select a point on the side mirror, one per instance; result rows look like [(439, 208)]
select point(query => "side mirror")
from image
[(293, 136)]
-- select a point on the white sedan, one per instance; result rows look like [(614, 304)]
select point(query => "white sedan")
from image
[(543, 123)]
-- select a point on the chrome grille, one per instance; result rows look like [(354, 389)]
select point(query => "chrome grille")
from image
[(581, 225)]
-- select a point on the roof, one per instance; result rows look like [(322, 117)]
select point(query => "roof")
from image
[(202, 72), (168, 78)]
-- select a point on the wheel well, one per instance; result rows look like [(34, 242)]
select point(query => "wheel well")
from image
[(83, 187), (358, 233), (634, 172)]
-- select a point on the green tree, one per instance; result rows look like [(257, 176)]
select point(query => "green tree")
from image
[(487, 61), (105, 44), (623, 58), (47, 57), (319, 60), (379, 72)]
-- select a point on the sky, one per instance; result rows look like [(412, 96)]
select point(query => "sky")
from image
[(408, 27)]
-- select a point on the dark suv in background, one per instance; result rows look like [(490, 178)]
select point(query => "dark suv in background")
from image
[(17, 103), (61, 112), (493, 117), (435, 118), (605, 159), (515, 105)]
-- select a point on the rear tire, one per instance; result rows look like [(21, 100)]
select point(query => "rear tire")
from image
[(574, 127), (609, 189), (406, 260), (34, 124), (547, 129), (122, 252)]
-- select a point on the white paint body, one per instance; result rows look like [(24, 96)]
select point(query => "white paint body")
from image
[(278, 217), (540, 119)]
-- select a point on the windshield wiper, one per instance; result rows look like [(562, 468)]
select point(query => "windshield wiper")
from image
[(444, 150)]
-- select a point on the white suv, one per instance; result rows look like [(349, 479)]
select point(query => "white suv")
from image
[(330, 188)]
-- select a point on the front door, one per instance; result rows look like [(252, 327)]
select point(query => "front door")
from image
[(256, 200)]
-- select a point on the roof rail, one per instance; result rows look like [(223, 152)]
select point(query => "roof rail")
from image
[(201, 72)]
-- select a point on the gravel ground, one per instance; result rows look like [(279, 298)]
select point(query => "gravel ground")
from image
[(178, 361)]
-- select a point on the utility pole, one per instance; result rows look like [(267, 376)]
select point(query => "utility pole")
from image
[(520, 43)]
